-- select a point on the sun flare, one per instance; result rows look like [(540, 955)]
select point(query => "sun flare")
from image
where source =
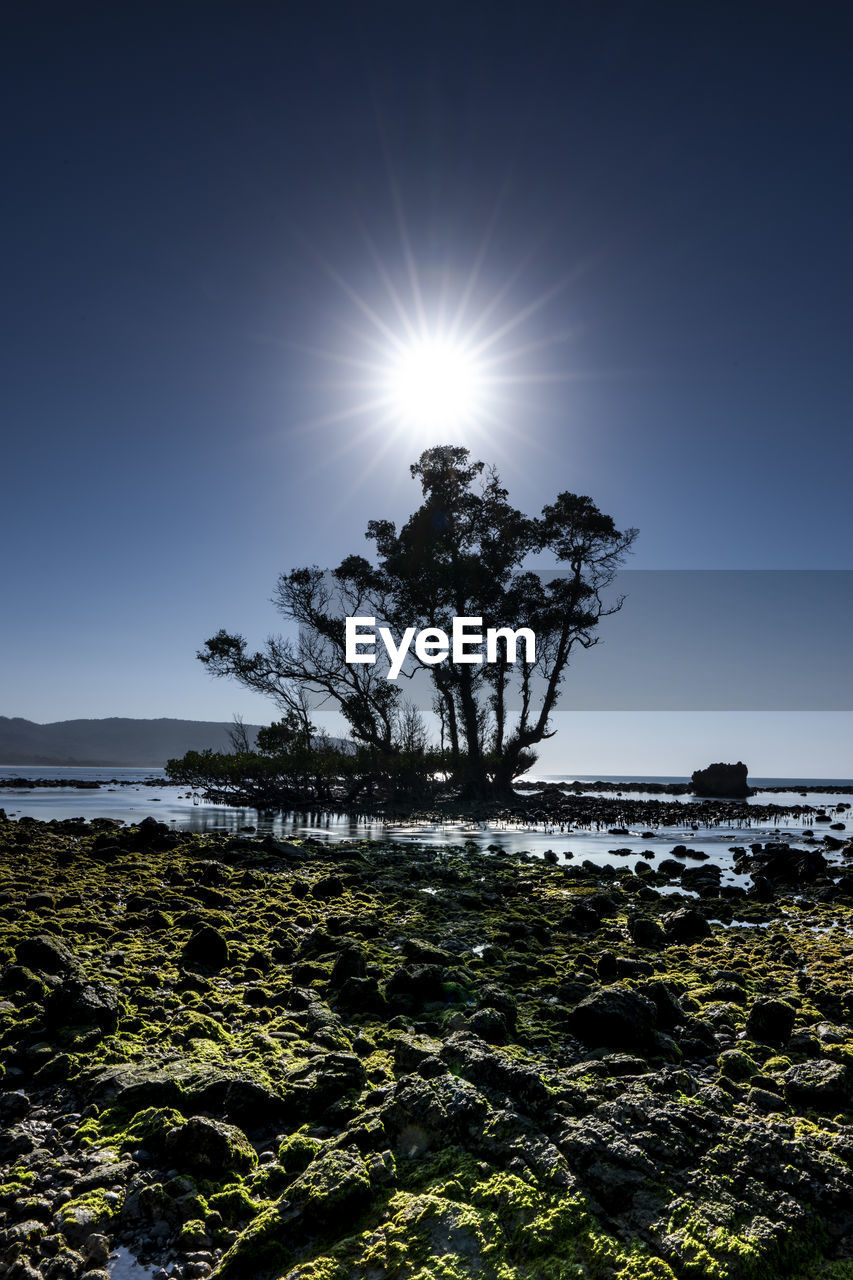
[(435, 383), (435, 355)]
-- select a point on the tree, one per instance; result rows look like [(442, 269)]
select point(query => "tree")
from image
[(462, 553), (238, 736)]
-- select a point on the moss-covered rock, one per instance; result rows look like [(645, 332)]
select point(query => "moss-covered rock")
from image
[(326, 1199), (209, 1147)]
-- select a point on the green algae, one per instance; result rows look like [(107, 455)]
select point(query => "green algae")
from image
[(452, 1208), (708, 1249), (119, 1129), (18, 1180), (297, 1151), (318, 1269), (734, 1064), (90, 1212), (235, 1204), (193, 1234)]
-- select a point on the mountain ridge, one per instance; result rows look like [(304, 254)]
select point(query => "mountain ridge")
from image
[(112, 741)]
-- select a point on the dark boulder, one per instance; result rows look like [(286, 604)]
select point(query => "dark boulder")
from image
[(667, 1005), (247, 1101), (761, 889), (83, 1004), (489, 1025), (326, 1080), (483, 1067), (421, 1114), (821, 1085), (686, 925), (209, 1147), (626, 967), (770, 1021), (724, 781), (22, 984), (421, 952), (411, 1051), (784, 865), (614, 1018), (671, 868), (765, 1100), (13, 1106), (583, 918), (360, 995), (418, 983), (205, 949), (645, 931), (602, 904), (327, 887), (705, 880), (326, 1199), (350, 963), (45, 954), (188, 1084), (492, 996), (150, 834)]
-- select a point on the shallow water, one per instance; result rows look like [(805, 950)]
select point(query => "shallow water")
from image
[(124, 1266), (131, 801)]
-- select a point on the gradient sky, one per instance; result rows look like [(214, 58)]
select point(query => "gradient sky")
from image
[(203, 198)]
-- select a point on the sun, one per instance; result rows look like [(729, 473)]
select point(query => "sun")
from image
[(427, 355), (435, 384)]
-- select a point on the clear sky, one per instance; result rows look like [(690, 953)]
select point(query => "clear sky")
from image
[(215, 213)]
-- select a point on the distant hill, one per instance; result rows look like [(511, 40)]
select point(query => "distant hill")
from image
[(113, 742)]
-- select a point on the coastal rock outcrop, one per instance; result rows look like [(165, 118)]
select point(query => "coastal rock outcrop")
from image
[(722, 781)]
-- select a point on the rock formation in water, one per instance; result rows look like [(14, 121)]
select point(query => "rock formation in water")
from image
[(722, 781)]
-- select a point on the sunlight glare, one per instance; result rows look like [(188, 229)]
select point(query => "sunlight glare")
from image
[(434, 384)]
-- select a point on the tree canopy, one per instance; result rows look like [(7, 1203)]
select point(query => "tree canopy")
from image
[(463, 553)]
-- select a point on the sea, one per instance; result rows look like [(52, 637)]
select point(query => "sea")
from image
[(128, 795)]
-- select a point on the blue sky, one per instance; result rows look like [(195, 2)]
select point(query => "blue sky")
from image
[(205, 199)]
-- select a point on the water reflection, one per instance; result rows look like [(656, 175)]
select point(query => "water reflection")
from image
[(124, 1266), (140, 793)]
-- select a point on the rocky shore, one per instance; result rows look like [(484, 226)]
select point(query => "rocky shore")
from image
[(255, 1060), (75, 784)]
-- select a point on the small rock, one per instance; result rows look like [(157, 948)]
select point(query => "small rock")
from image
[(770, 1021), (645, 931), (206, 949), (14, 1105), (686, 925), (96, 1249), (764, 1100)]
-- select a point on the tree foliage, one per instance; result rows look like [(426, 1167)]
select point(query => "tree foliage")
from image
[(286, 769), (462, 553)]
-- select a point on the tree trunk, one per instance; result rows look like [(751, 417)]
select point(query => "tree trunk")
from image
[(502, 778)]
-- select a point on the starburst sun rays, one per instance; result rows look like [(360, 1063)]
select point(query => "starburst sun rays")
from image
[(428, 358)]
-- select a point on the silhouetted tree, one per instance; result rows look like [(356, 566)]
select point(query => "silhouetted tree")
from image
[(238, 736), (460, 554)]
